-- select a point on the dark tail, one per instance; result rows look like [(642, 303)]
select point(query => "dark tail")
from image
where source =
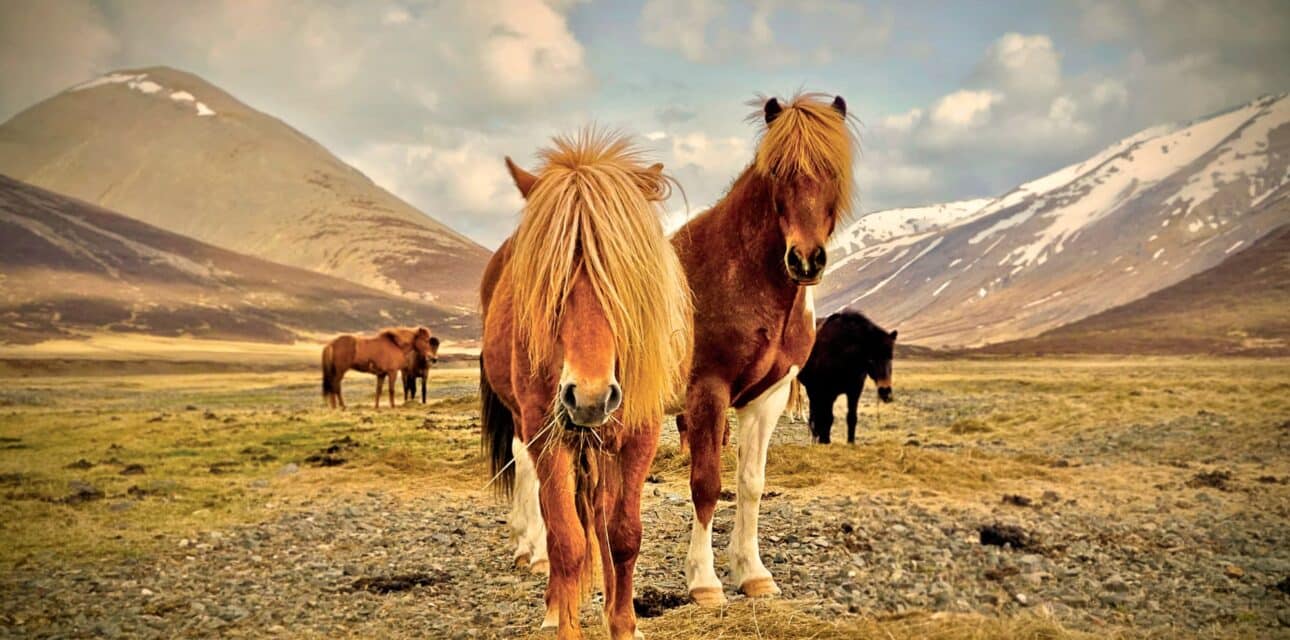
[(328, 372), (496, 434)]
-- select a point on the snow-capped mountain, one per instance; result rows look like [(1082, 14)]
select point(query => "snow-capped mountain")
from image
[(170, 149), (1139, 216)]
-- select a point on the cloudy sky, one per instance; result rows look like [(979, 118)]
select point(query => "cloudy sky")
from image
[(956, 100)]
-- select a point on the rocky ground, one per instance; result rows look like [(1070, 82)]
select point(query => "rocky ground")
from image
[(1197, 550), (438, 566)]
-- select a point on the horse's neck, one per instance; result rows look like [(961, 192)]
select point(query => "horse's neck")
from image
[(756, 240)]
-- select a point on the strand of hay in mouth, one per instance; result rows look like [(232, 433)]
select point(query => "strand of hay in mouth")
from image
[(764, 619)]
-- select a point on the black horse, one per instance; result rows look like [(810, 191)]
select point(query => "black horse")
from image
[(848, 347)]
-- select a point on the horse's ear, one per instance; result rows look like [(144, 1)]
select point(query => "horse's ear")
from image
[(524, 180), (840, 106), (772, 110), (434, 343), (893, 335), (653, 183)]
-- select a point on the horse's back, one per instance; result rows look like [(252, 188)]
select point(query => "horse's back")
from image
[(493, 274), (343, 349)]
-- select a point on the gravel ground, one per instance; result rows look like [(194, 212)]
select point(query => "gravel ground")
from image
[(438, 566)]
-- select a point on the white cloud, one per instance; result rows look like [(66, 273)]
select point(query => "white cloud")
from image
[(903, 121), (965, 108), (766, 33), (719, 155)]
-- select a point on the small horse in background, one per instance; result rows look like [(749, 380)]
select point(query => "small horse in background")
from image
[(752, 260), (418, 367), (848, 348), (587, 331), (384, 355)]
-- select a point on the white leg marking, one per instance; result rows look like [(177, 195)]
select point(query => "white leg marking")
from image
[(810, 304), (756, 422), (526, 510), (699, 573)]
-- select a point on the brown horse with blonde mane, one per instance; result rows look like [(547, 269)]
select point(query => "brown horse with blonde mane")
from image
[(384, 354), (587, 334), (751, 261)]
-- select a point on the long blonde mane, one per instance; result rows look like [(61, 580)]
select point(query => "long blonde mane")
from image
[(810, 138), (595, 206)]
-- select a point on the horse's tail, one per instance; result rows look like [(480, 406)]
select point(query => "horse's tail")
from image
[(498, 429), (328, 372)]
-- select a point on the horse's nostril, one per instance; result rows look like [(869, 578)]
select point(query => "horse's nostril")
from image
[(568, 398), (819, 258), (615, 398)]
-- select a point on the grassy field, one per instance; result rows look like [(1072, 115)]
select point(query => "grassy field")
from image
[(99, 468)]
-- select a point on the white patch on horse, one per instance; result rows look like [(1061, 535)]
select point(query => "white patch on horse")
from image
[(757, 421), (527, 526), (699, 573), (810, 304)]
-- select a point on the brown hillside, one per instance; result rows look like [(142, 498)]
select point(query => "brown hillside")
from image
[(69, 267)]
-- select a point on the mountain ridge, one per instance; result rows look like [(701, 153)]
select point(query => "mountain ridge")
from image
[(1142, 214), (72, 268), (168, 148)]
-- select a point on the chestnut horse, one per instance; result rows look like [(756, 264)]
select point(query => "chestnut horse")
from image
[(751, 261), (418, 367), (587, 336), (847, 348), (384, 355)]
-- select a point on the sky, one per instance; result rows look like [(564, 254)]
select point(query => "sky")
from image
[(954, 99)]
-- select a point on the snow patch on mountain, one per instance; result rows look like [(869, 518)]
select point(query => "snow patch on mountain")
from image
[(140, 82)]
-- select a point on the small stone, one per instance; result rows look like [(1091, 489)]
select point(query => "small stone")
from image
[(1021, 599), (1233, 571)]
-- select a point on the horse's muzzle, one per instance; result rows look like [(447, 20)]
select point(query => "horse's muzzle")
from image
[(590, 410), (884, 394)]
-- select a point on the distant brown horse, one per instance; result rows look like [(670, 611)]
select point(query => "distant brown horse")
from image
[(751, 261), (587, 329), (418, 367), (384, 355)]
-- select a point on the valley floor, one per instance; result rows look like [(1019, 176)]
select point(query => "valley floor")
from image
[(1149, 497)]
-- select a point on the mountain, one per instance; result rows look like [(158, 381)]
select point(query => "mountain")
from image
[(1140, 216), (1236, 308), (68, 267), (172, 150)]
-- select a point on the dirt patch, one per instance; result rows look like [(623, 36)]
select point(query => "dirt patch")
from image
[(1216, 479), (999, 535), (401, 582), (652, 603)]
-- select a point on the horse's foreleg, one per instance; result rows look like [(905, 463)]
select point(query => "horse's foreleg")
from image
[(566, 542), (340, 395), (380, 377), (526, 514), (424, 380), (853, 398), (624, 524), (756, 422), (705, 417), (392, 376)]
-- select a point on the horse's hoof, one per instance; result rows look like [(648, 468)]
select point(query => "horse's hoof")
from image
[(541, 567), (759, 588), (638, 635), (522, 561), (708, 597), (551, 620)]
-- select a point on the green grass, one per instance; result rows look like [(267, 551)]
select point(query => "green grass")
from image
[(1090, 427)]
